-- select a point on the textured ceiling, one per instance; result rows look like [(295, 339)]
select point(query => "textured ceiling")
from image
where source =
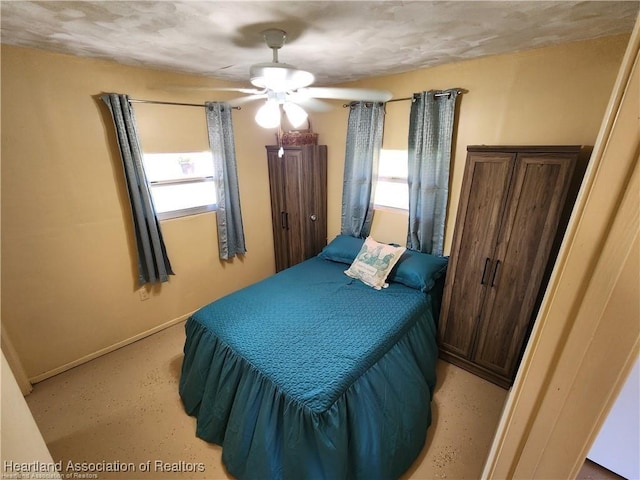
[(337, 41)]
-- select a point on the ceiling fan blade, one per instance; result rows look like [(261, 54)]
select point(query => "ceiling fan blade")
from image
[(308, 103), (250, 91), (249, 98), (364, 94)]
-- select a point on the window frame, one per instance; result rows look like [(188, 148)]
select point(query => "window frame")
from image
[(182, 212), (391, 179)]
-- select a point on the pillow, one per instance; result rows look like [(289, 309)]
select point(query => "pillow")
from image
[(374, 262), (418, 270), (343, 249)]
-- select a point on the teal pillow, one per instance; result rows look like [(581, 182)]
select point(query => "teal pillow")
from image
[(414, 269), (343, 249), (418, 270)]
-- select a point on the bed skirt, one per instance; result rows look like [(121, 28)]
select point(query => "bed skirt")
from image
[(374, 430)]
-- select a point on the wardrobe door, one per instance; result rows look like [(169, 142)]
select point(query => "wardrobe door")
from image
[(295, 203), (482, 200), (530, 224), (277, 186), (314, 188), (298, 182)]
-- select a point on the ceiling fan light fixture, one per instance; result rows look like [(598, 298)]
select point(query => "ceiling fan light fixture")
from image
[(283, 84), (268, 115), (279, 76), (295, 114)]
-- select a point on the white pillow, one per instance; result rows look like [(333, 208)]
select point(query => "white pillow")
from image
[(374, 262)]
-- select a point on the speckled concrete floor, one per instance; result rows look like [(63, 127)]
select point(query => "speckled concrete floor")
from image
[(122, 411), (592, 471)]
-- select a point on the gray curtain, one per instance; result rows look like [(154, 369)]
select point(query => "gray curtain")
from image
[(364, 139), (153, 263), (430, 136), (229, 215)]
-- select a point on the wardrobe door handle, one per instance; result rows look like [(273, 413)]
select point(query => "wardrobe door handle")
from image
[(495, 274), (286, 220), (283, 220), (484, 271)]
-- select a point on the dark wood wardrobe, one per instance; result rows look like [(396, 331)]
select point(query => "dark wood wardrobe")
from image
[(298, 184), (511, 205)]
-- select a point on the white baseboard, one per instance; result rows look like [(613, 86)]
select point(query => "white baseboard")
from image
[(109, 349)]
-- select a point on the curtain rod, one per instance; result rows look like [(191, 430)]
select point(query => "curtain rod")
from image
[(158, 102), (441, 94)]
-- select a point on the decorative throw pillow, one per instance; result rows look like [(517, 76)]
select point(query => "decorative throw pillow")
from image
[(374, 262)]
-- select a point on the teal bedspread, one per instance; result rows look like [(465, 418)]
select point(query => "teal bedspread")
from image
[(310, 374)]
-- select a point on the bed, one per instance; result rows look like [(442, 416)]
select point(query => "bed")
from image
[(312, 374)]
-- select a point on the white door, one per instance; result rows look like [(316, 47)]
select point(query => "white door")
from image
[(617, 446)]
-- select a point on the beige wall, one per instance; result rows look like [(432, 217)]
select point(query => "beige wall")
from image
[(553, 95), (67, 255)]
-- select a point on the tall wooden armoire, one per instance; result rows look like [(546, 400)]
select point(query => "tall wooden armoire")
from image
[(510, 207), (298, 184)]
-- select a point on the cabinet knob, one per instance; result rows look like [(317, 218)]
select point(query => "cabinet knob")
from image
[(313, 217)]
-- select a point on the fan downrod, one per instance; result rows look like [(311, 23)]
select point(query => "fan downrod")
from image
[(274, 38)]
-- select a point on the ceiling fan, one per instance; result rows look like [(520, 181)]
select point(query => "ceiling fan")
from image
[(283, 85)]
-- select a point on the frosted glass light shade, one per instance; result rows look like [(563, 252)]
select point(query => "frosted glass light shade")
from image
[(268, 115), (295, 113), (279, 77)]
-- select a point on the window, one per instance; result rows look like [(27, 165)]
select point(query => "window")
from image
[(392, 188), (181, 183)]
